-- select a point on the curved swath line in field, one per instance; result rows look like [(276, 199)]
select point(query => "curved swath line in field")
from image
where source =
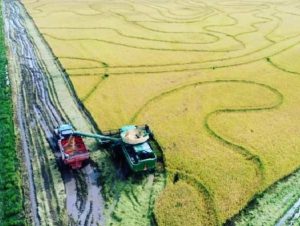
[(166, 21), (191, 4), (137, 23), (246, 153), (159, 8), (165, 71), (145, 27), (119, 5), (178, 17), (83, 68), (157, 20), (236, 22), (208, 28), (85, 59), (47, 14), (202, 43), (255, 29), (93, 89), (271, 46), (204, 7), (204, 190), (162, 20), (132, 46), (281, 68), (253, 25), (236, 4), (271, 31), (196, 2), (162, 71), (216, 38), (279, 17), (279, 21), (242, 10), (282, 39), (38, 8), (287, 12)]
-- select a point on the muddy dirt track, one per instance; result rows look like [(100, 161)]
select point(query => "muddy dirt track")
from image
[(39, 110)]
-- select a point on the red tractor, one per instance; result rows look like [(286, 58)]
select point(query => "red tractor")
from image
[(72, 148)]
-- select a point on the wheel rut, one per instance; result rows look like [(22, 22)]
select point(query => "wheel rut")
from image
[(38, 112)]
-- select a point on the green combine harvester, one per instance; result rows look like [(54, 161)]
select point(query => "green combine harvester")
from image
[(135, 141)]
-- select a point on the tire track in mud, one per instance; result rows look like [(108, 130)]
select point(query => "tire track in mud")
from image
[(38, 114)]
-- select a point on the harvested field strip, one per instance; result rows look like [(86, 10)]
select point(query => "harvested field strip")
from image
[(129, 199), (269, 207), (38, 114)]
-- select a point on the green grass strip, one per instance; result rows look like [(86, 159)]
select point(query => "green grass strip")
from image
[(11, 197)]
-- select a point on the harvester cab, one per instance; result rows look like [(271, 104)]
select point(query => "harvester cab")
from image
[(137, 148), (64, 130), (135, 143)]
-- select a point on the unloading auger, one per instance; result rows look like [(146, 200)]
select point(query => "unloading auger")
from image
[(135, 143)]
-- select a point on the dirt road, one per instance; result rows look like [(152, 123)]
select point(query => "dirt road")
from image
[(40, 91)]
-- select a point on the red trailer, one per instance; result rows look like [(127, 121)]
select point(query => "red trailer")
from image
[(73, 151), (135, 143)]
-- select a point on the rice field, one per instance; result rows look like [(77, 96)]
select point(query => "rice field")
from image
[(217, 81)]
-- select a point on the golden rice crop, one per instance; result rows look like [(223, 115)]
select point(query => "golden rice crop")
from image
[(217, 81)]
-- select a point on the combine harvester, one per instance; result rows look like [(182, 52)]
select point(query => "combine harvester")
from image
[(135, 142)]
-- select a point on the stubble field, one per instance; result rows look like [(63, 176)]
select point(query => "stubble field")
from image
[(217, 81)]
